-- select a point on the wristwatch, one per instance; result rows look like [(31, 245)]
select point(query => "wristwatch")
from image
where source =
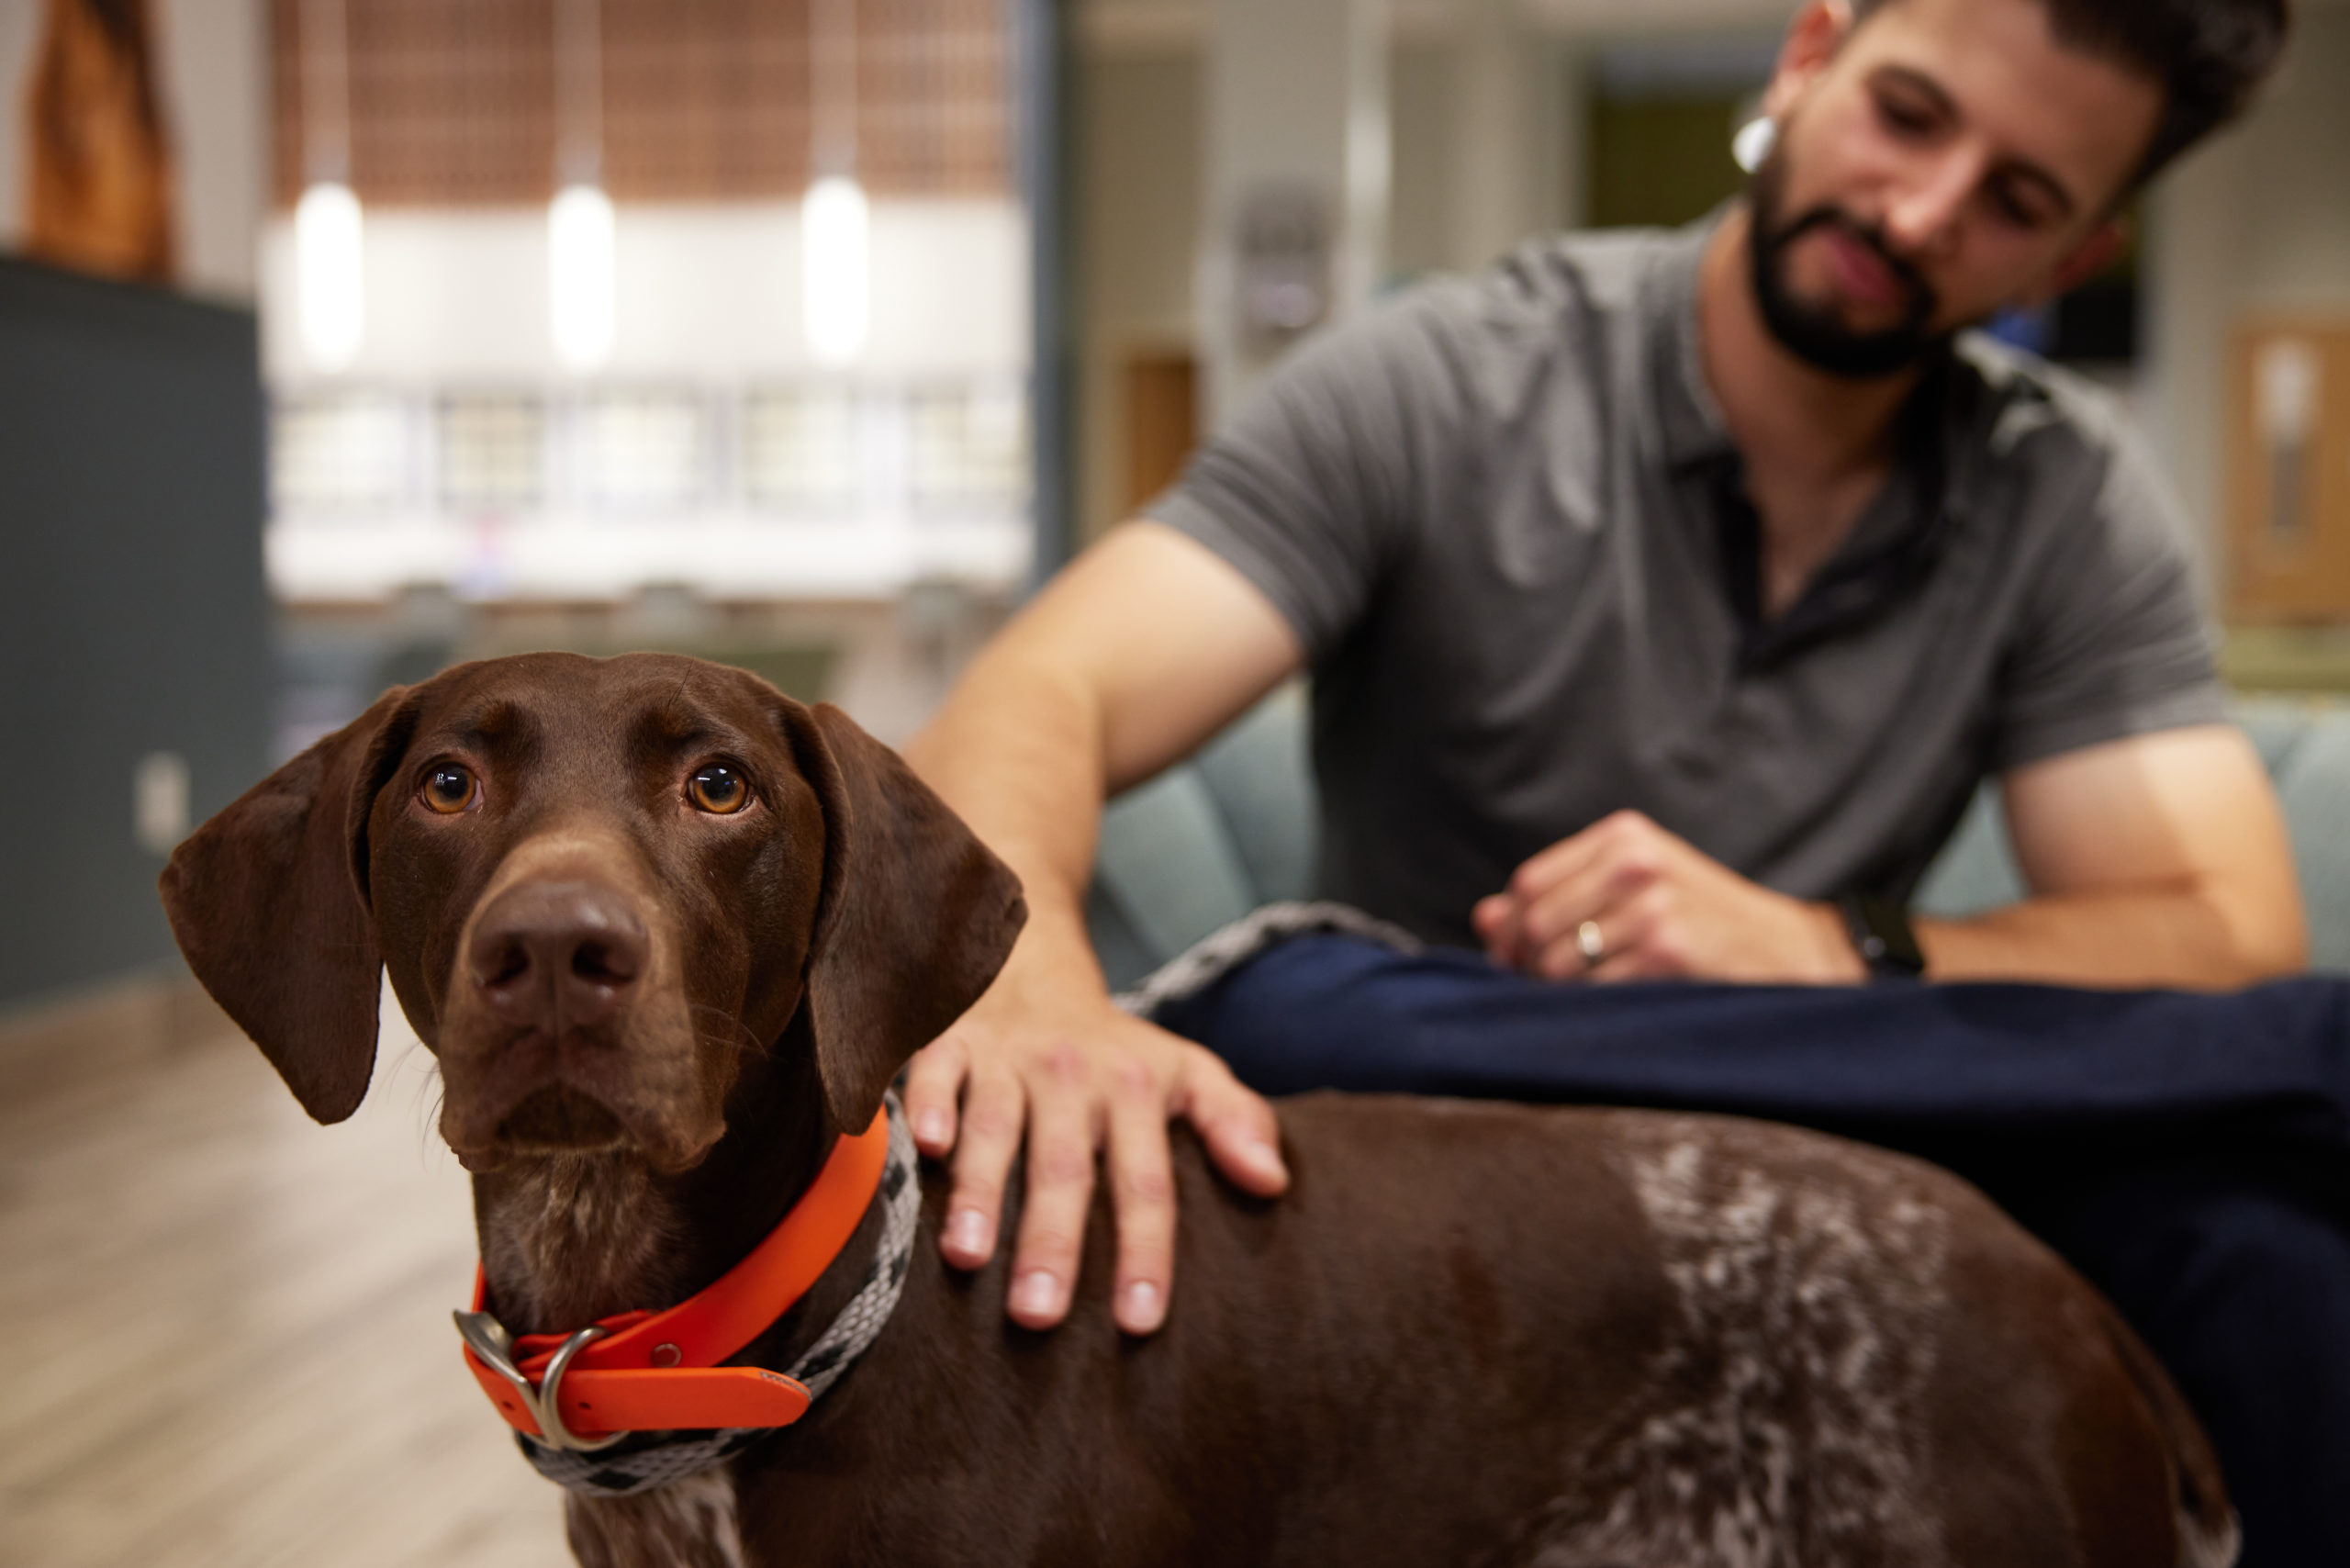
[(1882, 936)]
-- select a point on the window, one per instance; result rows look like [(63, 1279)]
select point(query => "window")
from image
[(492, 451), (345, 452), (800, 449), (970, 447), (642, 451)]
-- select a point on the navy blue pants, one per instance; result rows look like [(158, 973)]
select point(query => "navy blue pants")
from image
[(2189, 1154)]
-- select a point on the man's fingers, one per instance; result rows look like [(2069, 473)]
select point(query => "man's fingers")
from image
[(1609, 945), (1502, 920), (1587, 875), (1544, 869), (1060, 1189), (1142, 1188), (1494, 918), (1617, 970), (933, 1083), (993, 1109), (1645, 942), (1566, 959), (1243, 1135), (1618, 884), (1068, 1100)]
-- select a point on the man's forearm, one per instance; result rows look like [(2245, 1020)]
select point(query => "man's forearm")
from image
[(1017, 753), (2200, 940), (2160, 859), (1146, 647)]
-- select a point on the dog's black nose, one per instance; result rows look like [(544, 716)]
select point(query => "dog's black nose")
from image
[(557, 956)]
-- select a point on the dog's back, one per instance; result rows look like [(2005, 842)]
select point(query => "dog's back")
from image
[(1497, 1334)]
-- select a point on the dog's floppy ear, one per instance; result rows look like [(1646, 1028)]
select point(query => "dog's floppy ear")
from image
[(915, 918), (265, 901)]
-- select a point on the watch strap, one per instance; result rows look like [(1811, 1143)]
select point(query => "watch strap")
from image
[(1882, 936)]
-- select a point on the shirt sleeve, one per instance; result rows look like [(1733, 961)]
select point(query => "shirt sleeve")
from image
[(2115, 641), (1313, 490)]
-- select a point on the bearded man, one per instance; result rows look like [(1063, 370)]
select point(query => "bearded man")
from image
[(1666, 598)]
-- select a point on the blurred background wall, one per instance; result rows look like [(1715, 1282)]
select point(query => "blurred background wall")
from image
[(138, 690), (847, 496)]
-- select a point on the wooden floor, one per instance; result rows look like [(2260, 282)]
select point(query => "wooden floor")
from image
[(226, 1329)]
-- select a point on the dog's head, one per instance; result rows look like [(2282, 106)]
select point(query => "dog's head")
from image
[(594, 883)]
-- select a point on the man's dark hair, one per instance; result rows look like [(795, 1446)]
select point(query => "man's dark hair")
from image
[(2209, 55)]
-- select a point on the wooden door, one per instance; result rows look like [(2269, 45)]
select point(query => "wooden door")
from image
[(2288, 492), (1162, 423)]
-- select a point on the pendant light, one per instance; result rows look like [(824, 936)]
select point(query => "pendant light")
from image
[(581, 240), (329, 282), (836, 220)]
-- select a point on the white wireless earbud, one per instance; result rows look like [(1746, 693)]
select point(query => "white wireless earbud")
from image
[(1753, 142)]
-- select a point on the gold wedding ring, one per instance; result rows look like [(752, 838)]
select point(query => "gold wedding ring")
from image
[(1590, 944)]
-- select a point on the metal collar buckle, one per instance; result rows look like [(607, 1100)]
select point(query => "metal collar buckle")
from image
[(488, 1341)]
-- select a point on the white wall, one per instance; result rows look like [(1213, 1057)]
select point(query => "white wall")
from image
[(216, 99), (20, 24), (1420, 86), (1295, 102), (1457, 205), (1518, 112), (1137, 157), (213, 83)]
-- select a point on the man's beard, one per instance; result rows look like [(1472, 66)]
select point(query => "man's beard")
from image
[(1814, 333)]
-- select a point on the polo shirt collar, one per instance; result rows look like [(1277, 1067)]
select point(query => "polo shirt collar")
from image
[(1689, 421)]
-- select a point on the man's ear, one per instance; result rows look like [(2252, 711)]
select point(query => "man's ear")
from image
[(1818, 31), (266, 902), (2095, 252), (915, 918)]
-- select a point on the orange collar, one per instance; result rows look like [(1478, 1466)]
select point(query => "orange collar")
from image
[(644, 1372)]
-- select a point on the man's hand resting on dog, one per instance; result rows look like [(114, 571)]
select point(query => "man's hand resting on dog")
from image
[(1080, 1076), (1146, 647)]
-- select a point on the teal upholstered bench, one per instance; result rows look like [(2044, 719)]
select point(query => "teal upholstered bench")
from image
[(1206, 842)]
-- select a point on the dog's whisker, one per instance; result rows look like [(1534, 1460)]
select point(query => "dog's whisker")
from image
[(430, 1093), (430, 1105), (734, 1034)]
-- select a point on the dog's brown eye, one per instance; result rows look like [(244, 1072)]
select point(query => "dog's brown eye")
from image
[(719, 790), (448, 788)]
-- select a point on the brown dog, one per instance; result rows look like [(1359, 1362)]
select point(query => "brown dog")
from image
[(669, 933)]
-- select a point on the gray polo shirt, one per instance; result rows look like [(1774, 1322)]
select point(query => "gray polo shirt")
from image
[(1507, 523)]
